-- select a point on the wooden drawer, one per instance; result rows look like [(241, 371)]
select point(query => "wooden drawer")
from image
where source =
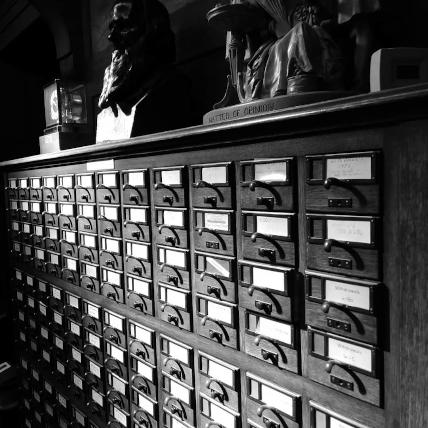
[(322, 417), (69, 271), (144, 410), (67, 216), (267, 185), (143, 377), (142, 342), (85, 188), (215, 414), (117, 391), (172, 267), (178, 398), (111, 253), (115, 328), (94, 375), (73, 335), (50, 214), (88, 248), (116, 360), (108, 187), (268, 238), (213, 185), (109, 221), (53, 262), (341, 305), (137, 223), (344, 245), (343, 183), (170, 187), (177, 360), (73, 307), (350, 367), (93, 346), (214, 231), (118, 417), (135, 187), (270, 405), (218, 321), (35, 189), (266, 290), (112, 285), (96, 405), (65, 188), (140, 294), (92, 316), (49, 188), (220, 381), (171, 227), (175, 306), (86, 219), (138, 259), (68, 244), (51, 240), (215, 276), (90, 277), (272, 341), (170, 420)]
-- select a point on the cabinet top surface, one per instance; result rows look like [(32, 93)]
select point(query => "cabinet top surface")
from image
[(382, 107)]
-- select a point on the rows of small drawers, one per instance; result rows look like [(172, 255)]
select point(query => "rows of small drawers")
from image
[(84, 366), (259, 300), (216, 291)]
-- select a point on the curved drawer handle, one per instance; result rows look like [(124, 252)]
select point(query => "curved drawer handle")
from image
[(141, 261), (330, 243), (181, 412), (331, 363), (171, 318), (139, 353), (92, 286), (84, 197), (67, 225), (87, 257), (70, 278), (50, 190), (175, 269), (178, 373), (82, 217), (143, 420), (219, 396), (143, 384), (104, 218), (174, 241), (104, 187), (215, 334), (67, 190), (110, 262), (202, 183), (142, 306)]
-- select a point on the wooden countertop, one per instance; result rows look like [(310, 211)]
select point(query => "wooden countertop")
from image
[(356, 111)]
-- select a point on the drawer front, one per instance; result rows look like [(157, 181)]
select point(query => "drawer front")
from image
[(343, 183), (172, 267), (169, 187), (321, 417), (177, 399), (272, 341), (214, 232), (344, 245), (212, 186), (350, 367), (214, 276), (177, 360), (140, 303), (115, 329), (85, 195), (342, 306), (143, 378), (142, 342), (215, 414), (107, 195), (171, 228), (217, 321), (135, 187), (219, 381), (270, 405), (267, 185), (266, 290), (268, 238)]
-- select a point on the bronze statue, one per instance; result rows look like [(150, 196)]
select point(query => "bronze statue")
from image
[(285, 47), (142, 71)]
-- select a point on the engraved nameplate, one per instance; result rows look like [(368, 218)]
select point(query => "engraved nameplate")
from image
[(352, 295), (350, 354)]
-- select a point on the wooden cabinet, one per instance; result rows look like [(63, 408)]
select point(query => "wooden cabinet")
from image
[(255, 274)]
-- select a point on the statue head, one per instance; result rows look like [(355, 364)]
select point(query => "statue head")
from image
[(143, 44)]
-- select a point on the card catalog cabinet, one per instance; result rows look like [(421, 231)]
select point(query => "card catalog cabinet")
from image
[(261, 278)]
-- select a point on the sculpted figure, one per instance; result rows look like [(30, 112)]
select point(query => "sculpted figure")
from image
[(142, 68), (283, 47)]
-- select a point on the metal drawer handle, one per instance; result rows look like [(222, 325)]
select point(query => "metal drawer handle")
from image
[(178, 371), (330, 243), (181, 411), (263, 306), (167, 199), (66, 197), (164, 265), (219, 396), (202, 183)]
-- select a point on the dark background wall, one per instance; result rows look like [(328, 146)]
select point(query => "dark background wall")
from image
[(44, 39)]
